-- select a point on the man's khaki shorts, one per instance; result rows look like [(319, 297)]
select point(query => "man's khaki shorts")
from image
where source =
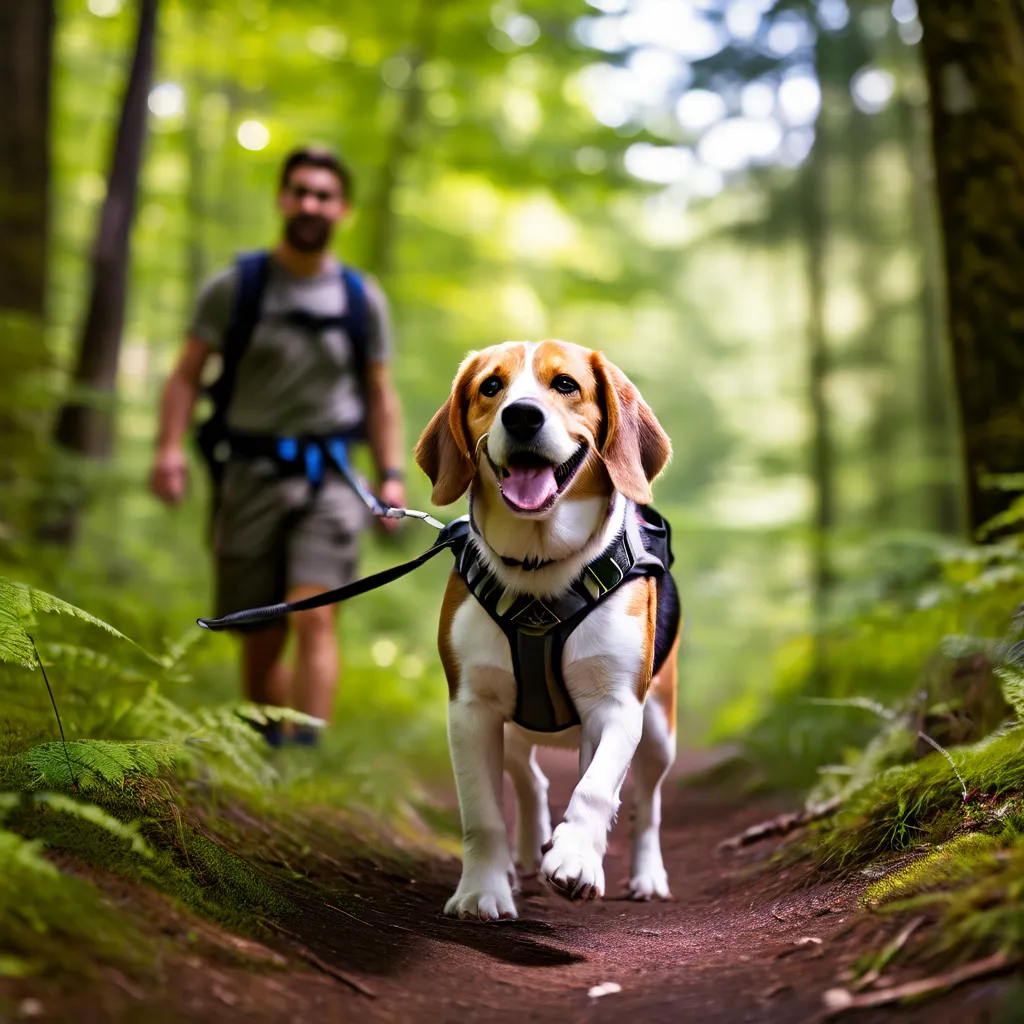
[(272, 534)]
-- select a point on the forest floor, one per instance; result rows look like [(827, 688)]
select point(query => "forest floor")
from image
[(737, 943)]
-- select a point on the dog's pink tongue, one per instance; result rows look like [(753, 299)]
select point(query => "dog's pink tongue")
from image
[(529, 486)]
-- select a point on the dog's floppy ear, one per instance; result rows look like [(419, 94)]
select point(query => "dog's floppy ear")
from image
[(633, 445), (442, 451)]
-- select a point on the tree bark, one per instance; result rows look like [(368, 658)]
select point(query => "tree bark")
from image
[(942, 495), (85, 423), (815, 215), (26, 50), (815, 210), (401, 143), (974, 53)]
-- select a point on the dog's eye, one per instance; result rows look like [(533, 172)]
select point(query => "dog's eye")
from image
[(491, 387), (565, 385)]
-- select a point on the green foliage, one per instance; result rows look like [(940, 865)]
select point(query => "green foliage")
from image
[(91, 764), (1013, 687), (916, 729), (52, 922), (19, 604), (163, 810), (927, 655)]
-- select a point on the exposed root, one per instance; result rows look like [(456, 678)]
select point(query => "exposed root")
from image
[(840, 1000), (780, 825)]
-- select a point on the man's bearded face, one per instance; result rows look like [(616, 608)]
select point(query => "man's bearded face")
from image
[(312, 203)]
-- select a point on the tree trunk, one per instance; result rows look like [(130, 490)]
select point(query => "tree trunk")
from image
[(401, 143), (26, 48), (26, 51), (85, 424), (815, 215), (974, 54), (814, 208), (941, 492)]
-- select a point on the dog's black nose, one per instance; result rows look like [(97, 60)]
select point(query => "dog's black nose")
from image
[(522, 420)]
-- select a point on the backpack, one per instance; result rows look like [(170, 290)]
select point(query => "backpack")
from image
[(213, 438)]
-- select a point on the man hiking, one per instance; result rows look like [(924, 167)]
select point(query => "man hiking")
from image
[(305, 346)]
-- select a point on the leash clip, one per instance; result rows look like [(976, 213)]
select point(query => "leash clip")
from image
[(410, 513)]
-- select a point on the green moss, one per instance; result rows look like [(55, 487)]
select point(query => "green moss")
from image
[(959, 860), (50, 922), (914, 805)]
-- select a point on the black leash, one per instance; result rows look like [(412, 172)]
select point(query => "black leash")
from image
[(450, 536)]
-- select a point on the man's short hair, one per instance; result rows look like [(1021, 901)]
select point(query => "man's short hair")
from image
[(315, 156)]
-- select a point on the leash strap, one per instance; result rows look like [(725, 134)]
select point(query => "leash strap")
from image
[(452, 536)]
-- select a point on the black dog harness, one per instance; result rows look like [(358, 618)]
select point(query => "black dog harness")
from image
[(537, 629)]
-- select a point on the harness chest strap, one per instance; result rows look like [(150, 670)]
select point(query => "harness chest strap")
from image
[(537, 630)]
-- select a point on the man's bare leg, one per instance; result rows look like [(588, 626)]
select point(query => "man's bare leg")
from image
[(266, 678), (317, 661)]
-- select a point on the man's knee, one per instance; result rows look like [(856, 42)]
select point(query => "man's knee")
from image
[(316, 623), (262, 646), (319, 622)]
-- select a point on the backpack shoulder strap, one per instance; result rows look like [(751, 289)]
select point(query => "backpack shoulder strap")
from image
[(253, 270), (358, 321)]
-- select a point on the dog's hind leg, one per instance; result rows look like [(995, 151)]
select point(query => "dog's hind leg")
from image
[(653, 758), (533, 816)]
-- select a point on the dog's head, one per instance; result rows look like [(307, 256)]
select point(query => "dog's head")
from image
[(542, 421)]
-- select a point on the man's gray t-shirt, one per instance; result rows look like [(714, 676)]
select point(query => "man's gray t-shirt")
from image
[(292, 380)]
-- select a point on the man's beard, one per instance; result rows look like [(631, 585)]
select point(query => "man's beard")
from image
[(308, 232)]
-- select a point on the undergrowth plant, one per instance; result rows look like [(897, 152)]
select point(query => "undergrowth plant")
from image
[(99, 762), (920, 754)]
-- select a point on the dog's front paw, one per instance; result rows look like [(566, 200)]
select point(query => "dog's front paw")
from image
[(485, 894), (646, 884), (572, 867)]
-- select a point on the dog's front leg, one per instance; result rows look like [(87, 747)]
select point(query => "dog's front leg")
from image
[(476, 740), (574, 865)]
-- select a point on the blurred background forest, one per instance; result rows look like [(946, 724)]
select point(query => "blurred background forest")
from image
[(765, 211), (732, 199)]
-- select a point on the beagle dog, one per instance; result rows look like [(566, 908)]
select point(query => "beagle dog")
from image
[(558, 451)]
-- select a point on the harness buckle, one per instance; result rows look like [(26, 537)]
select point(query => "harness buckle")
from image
[(536, 618)]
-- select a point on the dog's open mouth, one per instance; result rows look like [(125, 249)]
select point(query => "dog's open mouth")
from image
[(530, 483)]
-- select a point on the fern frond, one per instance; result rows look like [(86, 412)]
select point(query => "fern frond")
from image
[(961, 646), (96, 763), (1012, 679), (74, 658), (19, 604)]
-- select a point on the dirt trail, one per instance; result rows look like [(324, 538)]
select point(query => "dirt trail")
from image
[(733, 946)]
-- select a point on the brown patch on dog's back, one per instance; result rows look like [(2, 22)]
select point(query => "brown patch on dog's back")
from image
[(455, 594), (643, 603)]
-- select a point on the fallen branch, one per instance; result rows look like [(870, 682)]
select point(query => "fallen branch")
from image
[(358, 920), (839, 1000), (781, 825)]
